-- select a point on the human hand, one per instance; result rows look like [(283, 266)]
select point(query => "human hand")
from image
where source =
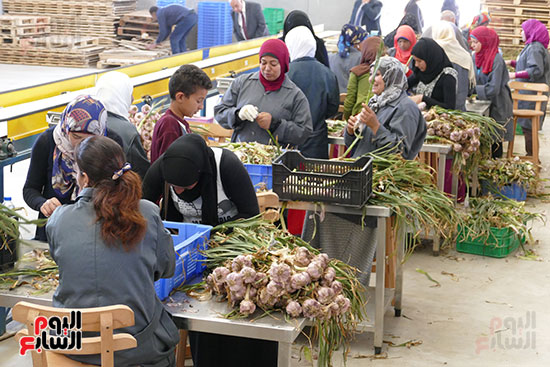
[(512, 75), (351, 124), (151, 46), (368, 117), (416, 98), (508, 62), (49, 206), (248, 112), (264, 120)]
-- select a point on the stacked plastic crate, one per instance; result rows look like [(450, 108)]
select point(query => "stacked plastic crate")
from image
[(162, 3), (274, 19), (215, 24)]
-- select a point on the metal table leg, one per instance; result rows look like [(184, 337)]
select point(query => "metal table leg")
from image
[(380, 284), (284, 354), (399, 271)]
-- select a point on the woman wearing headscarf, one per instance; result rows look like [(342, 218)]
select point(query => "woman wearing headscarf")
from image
[(210, 186), (114, 89), (443, 33), (298, 18), (348, 54), (413, 9), (111, 247), (409, 20), (319, 85), (492, 81), (390, 119), (434, 78), (403, 43), (360, 86), (482, 19), (51, 177), (533, 66), (266, 101)]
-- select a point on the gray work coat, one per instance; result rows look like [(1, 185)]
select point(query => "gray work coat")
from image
[(287, 105), (92, 274), (400, 121), (494, 87), (341, 66), (535, 60)]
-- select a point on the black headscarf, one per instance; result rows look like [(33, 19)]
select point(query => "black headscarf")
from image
[(435, 57), (189, 160), (298, 18)]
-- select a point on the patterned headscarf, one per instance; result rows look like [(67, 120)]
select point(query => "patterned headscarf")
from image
[(395, 82), (86, 115), (351, 35), (535, 31)]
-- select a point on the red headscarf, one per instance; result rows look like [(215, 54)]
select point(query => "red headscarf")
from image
[(277, 49), (407, 33), (489, 48)]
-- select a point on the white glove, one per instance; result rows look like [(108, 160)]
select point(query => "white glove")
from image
[(248, 112)]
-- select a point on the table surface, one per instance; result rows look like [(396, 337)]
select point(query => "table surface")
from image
[(192, 314)]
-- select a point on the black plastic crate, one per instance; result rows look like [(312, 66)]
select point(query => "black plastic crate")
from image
[(8, 254), (298, 178)]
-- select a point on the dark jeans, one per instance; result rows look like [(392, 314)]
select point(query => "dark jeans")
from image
[(183, 27)]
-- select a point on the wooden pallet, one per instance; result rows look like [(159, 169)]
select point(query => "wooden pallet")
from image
[(23, 20), (85, 56), (131, 32), (61, 41), (140, 16), (58, 7)]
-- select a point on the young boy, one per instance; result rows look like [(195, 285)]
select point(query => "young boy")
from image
[(188, 88)]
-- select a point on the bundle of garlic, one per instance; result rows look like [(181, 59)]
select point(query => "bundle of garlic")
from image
[(259, 266), (470, 134), (145, 120)]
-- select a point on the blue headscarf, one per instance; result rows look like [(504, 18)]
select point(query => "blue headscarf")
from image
[(351, 35), (86, 115)]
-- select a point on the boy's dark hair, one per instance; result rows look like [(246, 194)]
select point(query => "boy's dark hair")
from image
[(187, 79), (153, 9)]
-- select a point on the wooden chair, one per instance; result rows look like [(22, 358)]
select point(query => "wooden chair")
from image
[(99, 319), (342, 99), (268, 201), (213, 133), (534, 115)]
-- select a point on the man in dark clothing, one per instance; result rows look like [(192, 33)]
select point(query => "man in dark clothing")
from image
[(173, 15), (367, 13), (248, 20)]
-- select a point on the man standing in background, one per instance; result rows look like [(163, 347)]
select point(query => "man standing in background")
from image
[(173, 15), (367, 13), (248, 20)]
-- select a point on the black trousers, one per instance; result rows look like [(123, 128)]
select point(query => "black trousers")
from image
[(214, 350)]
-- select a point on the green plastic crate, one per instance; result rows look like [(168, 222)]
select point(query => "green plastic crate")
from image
[(274, 19), (500, 243)]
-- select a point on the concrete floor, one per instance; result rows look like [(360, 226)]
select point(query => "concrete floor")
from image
[(472, 320)]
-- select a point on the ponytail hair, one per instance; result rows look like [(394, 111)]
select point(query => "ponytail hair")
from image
[(117, 191)]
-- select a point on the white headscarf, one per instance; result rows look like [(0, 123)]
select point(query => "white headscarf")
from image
[(300, 43), (114, 90), (444, 34)]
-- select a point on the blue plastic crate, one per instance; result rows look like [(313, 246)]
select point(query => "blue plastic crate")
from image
[(188, 241), (162, 3), (513, 191), (215, 26), (260, 173)]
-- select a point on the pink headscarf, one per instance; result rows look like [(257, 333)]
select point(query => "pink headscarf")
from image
[(535, 31)]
